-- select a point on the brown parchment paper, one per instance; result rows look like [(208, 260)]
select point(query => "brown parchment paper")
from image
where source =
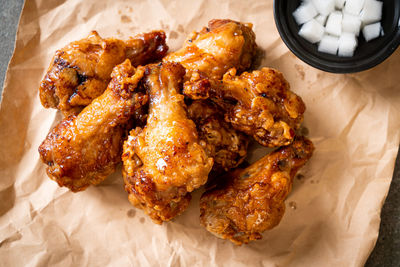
[(333, 213)]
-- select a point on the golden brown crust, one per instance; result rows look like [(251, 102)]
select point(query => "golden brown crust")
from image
[(252, 200), (84, 149), (81, 71), (208, 54), (261, 105), (164, 160), (227, 146)]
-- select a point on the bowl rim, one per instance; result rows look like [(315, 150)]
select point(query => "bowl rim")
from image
[(335, 67)]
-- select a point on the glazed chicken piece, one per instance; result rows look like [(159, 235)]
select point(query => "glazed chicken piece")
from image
[(81, 71), (252, 200), (259, 103), (208, 54), (164, 160), (84, 149), (227, 146), (265, 107)]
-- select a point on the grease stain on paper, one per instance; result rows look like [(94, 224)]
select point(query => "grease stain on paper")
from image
[(125, 19), (293, 205), (180, 28), (173, 35), (300, 71), (141, 220), (164, 26), (131, 213)]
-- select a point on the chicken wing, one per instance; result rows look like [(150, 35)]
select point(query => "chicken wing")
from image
[(81, 71), (164, 160), (210, 53), (252, 199), (261, 104), (227, 146), (84, 149)]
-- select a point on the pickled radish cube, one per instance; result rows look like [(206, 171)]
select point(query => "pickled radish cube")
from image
[(339, 4), (312, 31), (353, 6), (324, 7), (372, 31), (329, 44), (334, 23), (372, 11), (321, 19), (305, 12), (351, 24), (347, 44)]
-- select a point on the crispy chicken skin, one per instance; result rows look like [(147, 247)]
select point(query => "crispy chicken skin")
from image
[(81, 71), (226, 145), (84, 149), (164, 160), (265, 107), (258, 103), (252, 200), (208, 54)]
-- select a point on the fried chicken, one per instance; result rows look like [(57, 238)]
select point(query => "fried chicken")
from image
[(81, 71), (261, 104), (164, 160), (257, 103), (227, 146), (84, 149), (208, 54), (252, 199)]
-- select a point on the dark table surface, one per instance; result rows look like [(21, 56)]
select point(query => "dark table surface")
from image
[(387, 250)]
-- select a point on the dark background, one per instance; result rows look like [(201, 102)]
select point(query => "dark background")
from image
[(387, 250)]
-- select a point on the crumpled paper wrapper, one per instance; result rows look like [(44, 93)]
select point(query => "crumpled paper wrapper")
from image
[(332, 215)]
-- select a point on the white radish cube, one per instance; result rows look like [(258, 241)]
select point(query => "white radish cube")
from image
[(312, 31), (351, 24), (347, 44), (339, 4), (329, 44), (372, 31), (334, 23), (305, 12), (324, 7), (321, 19), (372, 11), (353, 6)]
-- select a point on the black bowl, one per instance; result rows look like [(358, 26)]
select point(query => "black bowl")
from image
[(367, 54)]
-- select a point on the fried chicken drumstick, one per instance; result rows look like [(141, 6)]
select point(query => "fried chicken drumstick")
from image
[(252, 199), (164, 160), (227, 146), (84, 149), (81, 71), (208, 54)]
